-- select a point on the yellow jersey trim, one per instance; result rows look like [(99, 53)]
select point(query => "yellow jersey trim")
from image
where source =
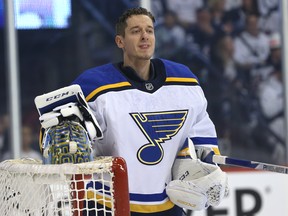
[(133, 207), (181, 79), (105, 87)]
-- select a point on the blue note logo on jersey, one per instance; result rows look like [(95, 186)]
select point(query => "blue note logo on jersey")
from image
[(157, 128)]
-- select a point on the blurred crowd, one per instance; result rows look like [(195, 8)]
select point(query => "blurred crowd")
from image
[(29, 139), (234, 47)]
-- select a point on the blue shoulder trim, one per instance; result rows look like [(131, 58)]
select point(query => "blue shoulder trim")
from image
[(174, 69), (205, 140), (105, 78), (105, 75)]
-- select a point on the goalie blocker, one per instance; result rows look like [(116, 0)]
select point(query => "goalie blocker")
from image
[(66, 109), (196, 185)]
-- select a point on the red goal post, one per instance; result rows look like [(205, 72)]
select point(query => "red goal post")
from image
[(28, 187)]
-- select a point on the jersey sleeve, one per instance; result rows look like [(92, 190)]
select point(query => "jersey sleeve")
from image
[(203, 131)]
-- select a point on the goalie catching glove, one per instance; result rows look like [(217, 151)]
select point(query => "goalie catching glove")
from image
[(196, 185), (67, 123)]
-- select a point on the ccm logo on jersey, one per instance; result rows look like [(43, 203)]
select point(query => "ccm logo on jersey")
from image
[(59, 96)]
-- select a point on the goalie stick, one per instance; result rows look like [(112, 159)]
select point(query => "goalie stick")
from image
[(224, 160)]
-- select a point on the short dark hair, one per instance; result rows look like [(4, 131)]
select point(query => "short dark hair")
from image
[(122, 24)]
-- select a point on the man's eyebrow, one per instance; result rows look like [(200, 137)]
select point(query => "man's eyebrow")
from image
[(135, 27)]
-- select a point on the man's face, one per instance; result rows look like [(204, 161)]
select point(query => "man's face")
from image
[(252, 25), (139, 40)]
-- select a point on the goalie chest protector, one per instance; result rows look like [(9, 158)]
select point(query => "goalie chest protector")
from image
[(147, 122)]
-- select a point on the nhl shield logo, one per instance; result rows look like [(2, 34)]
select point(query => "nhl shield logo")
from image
[(149, 86)]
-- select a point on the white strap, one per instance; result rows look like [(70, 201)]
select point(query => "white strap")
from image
[(69, 109), (49, 119)]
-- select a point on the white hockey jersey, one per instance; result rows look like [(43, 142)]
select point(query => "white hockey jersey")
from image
[(147, 123)]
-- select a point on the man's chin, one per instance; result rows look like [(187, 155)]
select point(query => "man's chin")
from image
[(146, 57)]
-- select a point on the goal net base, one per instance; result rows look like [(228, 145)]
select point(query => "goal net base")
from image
[(28, 187)]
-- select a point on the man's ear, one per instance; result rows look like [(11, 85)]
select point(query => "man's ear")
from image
[(119, 41)]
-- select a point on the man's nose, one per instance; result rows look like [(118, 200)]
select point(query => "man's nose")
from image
[(144, 35)]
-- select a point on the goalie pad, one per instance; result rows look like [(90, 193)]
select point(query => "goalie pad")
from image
[(186, 194), (67, 103), (196, 185)]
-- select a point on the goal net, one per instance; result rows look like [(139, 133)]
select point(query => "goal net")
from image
[(30, 188)]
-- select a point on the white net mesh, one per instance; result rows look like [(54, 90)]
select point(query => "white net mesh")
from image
[(27, 187)]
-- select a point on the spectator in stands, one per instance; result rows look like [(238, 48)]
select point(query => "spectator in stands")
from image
[(221, 56), (251, 51), (275, 57), (270, 131), (170, 37), (251, 47), (159, 8), (185, 10), (217, 11), (28, 140), (238, 14), (223, 82), (271, 98), (202, 31), (270, 17), (221, 19)]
